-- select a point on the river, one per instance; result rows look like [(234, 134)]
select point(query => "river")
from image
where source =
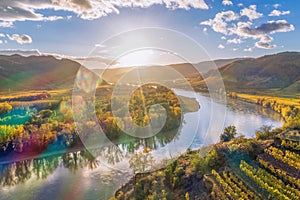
[(76, 176)]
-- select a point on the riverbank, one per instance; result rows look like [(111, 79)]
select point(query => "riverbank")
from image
[(287, 107)]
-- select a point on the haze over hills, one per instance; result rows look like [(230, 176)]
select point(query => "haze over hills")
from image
[(22, 52), (186, 69), (278, 73)]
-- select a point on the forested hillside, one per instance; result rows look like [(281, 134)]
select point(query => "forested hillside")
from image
[(278, 74)]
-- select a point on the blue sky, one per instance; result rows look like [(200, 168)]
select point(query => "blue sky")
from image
[(252, 28)]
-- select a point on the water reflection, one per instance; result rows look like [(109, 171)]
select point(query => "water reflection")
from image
[(21, 171), (138, 154), (130, 152), (242, 107)]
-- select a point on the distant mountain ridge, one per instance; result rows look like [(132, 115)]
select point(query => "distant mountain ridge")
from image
[(278, 73), (187, 70)]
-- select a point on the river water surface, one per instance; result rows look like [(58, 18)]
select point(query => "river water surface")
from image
[(75, 176)]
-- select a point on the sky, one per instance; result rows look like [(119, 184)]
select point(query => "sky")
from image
[(224, 28)]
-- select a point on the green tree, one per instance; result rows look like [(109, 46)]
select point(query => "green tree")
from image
[(265, 132), (228, 134)]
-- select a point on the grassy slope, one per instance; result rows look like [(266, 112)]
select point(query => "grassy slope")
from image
[(18, 73)]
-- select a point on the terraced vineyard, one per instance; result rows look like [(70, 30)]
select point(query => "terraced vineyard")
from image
[(240, 169), (276, 173)]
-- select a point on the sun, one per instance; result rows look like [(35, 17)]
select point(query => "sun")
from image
[(147, 57), (142, 57)]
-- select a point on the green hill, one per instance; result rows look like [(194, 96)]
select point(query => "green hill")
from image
[(278, 73), (18, 73)]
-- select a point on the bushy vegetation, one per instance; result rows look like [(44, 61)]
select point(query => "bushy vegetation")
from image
[(139, 105), (288, 111), (32, 126), (241, 168), (265, 132), (176, 181), (289, 108), (228, 134), (293, 123), (5, 108), (139, 109)]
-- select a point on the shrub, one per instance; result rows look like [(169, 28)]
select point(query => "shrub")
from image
[(228, 134)]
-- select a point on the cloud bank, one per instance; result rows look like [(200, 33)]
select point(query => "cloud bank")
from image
[(230, 23), (20, 10)]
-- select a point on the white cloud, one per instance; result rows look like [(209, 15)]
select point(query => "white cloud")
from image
[(230, 23), (19, 10), (275, 26), (69, 17), (266, 38), (240, 5), (248, 49), (1, 42), (2, 35), (221, 46), (21, 39), (262, 32), (5, 24), (53, 18), (276, 5), (235, 49), (264, 45), (251, 13), (205, 30), (276, 13), (234, 41), (227, 3), (219, 23)]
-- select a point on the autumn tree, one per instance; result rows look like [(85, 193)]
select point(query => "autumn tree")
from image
[(228, 134), (5, 108)]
